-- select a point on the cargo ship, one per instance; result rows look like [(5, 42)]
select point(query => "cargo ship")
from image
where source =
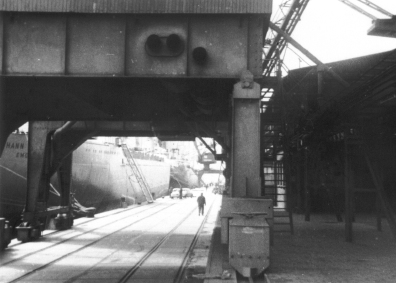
[(183, 176), (183, 158), (101, 176)]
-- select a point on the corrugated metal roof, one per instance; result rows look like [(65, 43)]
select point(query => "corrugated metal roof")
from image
[(140, 6), (305, 80), (371, 94)]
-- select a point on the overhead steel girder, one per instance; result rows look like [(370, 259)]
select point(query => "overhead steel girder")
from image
[(71, 44), (140, 6), (133, 128), (54, 53)]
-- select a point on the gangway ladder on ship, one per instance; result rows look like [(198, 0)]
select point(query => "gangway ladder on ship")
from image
[(139, 177)]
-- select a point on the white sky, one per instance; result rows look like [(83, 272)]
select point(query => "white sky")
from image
[(332, 31)]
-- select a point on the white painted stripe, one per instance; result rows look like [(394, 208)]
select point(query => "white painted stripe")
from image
[(55, 192), (13, 172)]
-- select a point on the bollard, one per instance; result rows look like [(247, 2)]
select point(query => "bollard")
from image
[(123, 203), (2, 233), (5, 233), (63, 221)]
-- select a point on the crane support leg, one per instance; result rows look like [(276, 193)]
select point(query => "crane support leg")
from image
[(48, 154), (245, 156), (38, 178), (246, 218)]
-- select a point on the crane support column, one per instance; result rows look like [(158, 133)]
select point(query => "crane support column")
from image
[(245, 158), (246, 218)]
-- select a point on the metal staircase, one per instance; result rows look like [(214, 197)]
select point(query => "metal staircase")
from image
[(275, 185), (273, 124), (138, 175), (274, 163)]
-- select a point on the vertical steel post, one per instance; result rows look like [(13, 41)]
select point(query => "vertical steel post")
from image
[(65, 178), (320, 71), (378, 184), (3, 122), (348, 207), (3, 132), (245, 165), (306, 188), (2, 233), (378, 212), (299, 188)]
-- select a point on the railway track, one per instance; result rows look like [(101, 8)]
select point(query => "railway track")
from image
[(56, 238), (135, 246), (84, 221), (182, 267)]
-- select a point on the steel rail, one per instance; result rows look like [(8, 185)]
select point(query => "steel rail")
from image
[(89, 220), (75, 251), (136, 267), (179, 277)]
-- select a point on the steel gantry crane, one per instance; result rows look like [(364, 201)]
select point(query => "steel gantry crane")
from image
[(368, 3), (380, 27), (288, 25)]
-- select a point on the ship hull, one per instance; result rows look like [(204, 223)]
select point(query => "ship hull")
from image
[(13, 172), (183, 176), (104, 168), (101, 177)]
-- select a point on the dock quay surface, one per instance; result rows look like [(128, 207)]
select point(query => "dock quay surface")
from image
[(158, 242), (110, 248)]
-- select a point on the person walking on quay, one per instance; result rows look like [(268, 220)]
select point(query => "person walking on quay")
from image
[(201, 202)]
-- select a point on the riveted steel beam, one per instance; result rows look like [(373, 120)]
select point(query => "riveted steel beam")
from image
[(118, 45), (140, 6)]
